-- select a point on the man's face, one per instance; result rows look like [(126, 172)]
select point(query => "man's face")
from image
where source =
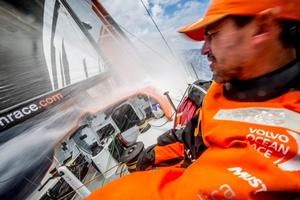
[(227, 48)]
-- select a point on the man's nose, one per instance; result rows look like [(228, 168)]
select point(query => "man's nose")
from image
[(205, 48)]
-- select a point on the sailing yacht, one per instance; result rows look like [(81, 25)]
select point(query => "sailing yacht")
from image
[(70, 119)]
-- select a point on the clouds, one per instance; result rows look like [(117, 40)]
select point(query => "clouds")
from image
[(156, 58), (157, 11), (168, 14), (165, 2)]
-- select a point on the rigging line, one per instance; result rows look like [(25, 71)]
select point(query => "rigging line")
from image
[(159, 30), (144, 43), (172, 52), (31, 182), (193, 67), (85, 183)]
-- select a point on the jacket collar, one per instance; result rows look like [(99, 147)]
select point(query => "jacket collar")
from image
[(265, 87)]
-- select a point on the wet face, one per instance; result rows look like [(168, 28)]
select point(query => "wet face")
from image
[(227, 48)]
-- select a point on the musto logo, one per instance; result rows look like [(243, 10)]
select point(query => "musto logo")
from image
[(252, 180), (24, 112), (277, 146)]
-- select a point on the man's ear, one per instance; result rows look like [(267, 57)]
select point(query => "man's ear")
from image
[(266, 24)]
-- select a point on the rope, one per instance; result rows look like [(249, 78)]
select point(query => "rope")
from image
[(87, 182), (164, 39), (144, 43)]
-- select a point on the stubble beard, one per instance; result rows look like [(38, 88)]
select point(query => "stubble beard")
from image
[(223, 76)]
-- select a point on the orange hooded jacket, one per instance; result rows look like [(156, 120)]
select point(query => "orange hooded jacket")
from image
[(253, 153)]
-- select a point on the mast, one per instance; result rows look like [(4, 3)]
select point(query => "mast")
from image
[(107, 20)]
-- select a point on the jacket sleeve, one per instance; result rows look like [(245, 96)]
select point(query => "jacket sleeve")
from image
[(168, 155), (168, 151), (237, 172), (174, 147)]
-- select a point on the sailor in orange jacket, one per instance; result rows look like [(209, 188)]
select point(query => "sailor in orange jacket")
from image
[(181, 145), (177, 148), (250, 119)]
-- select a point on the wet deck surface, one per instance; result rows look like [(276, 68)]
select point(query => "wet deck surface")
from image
[(95, 179)]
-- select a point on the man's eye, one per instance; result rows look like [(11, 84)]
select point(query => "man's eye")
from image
[(211, 34)]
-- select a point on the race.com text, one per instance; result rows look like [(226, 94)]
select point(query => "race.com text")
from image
[(26, 111)]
